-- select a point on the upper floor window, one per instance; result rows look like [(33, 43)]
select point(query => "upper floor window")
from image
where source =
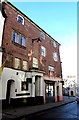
[(17, 63), (35, 62), (20, 19), (51, 71), (16, 37), (50, 68), (43, 51), (55, 57), (25, 65), (54, 44), (22, 41), (42, 35)]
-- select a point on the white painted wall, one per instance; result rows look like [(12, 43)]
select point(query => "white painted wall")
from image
[(10, 74)]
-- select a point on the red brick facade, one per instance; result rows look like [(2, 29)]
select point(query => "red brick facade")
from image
[(30, 31)]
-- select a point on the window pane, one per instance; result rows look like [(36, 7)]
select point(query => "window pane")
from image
[(17, 63), (55, 56), (43, 51), (20, 19), (25, 65), (22, 41), (54, 44), (15, 37), (42, 36), (35, 62), (24, 86)]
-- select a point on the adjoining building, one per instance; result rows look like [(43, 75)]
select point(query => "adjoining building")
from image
[(70, 85), (32, 69)]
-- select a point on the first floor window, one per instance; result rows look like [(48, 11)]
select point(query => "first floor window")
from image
[(25, 65), (17, 63), (22, 41), (19, 38), (16, 37), (51, 70), (43, 51), (35, 62), (55, 57)]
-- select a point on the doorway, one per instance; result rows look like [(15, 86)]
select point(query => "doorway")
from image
[(10, 90), (71, 93)]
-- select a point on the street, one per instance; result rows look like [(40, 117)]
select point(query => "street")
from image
[(67, 111)]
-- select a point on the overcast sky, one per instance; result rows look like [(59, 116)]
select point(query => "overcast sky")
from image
[(58, 19)]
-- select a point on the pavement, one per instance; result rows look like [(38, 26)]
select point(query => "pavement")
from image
[(20, 112)]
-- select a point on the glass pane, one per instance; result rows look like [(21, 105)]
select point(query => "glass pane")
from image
[(15, 37), (20, 19), (25, 65), (22, 41), (17, 63)]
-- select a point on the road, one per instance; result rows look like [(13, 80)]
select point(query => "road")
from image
[(67, 111)]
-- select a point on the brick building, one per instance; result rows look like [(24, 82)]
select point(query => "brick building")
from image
[(33, 67)]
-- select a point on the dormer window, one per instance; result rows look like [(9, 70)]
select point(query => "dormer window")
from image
[(20, 19)]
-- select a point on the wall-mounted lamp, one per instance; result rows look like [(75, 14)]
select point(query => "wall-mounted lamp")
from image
[(38, 40)]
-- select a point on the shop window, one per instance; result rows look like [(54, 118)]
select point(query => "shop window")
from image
[(35, 62), (24, 86), (55, 57), (25, 65), (15, 37), (20, 19), (43, 51), (22, 41), (17, 62)]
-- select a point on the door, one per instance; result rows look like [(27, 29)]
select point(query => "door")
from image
[(9, 90)]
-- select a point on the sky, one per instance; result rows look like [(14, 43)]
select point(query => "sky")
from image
[(58, 19)]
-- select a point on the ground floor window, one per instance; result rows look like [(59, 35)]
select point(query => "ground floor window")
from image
[(24, 86), (17, 63)]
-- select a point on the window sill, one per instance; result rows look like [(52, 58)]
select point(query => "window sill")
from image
[(18, 45)]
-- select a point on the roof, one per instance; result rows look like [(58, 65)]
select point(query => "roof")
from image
[(31, 21)]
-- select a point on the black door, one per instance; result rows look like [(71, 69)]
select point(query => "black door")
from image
[(8, 92)]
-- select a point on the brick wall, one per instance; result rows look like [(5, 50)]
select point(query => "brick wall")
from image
[(30, 31)]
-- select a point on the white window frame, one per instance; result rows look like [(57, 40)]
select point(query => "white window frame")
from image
[(22, 40), (35, 62), (50, 68), (15, 37), (54, 44), (22, 18), (55, 56), (43, 51), (17, 62), (42, 35), (25, 67)]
